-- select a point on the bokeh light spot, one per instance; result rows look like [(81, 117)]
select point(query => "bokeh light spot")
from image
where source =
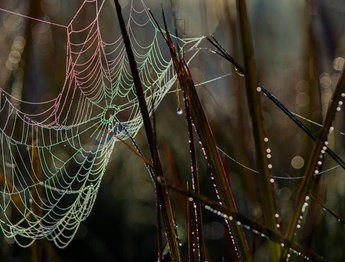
[(297, 162), (338, 63), (302, 99)]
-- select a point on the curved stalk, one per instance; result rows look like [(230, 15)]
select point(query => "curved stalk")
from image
[(254, 103), (314, 162)]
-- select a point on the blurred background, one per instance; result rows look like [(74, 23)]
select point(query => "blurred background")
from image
[(299, 51)]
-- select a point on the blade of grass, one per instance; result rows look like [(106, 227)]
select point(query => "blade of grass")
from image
[(204, 131), (315, 160), (159, 228), (195, 186), (335, 215), (190, 228), (311, 75), (162, 193), (193, 212), (239, 68), (252, 225), (254, 103)]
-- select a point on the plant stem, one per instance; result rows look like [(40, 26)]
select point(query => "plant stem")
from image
[(315, 159), (162, 193), (229, 214), (204, 131), (254, 103)]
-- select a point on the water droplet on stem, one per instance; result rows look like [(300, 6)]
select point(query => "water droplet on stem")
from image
[(239, 72), (179, 111)]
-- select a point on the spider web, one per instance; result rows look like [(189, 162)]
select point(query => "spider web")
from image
[(54, 153)]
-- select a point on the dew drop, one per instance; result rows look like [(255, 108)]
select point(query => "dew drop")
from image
[(304, 207), (266, 139), (238, 71), (258, 89), (246, 227), (179, 111)]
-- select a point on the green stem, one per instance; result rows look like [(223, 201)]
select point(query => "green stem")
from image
[(205, 134), (254, 103), (162, 193), (314, 162), (229, 214)]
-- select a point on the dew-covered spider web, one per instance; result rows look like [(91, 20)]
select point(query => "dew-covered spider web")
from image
[(54, 152)]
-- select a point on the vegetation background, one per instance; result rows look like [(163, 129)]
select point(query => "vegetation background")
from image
[(299, 48)]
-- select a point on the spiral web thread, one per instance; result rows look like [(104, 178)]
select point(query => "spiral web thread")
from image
[(53, 157)]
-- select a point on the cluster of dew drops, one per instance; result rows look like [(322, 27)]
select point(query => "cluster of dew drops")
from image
[(179, 111)]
